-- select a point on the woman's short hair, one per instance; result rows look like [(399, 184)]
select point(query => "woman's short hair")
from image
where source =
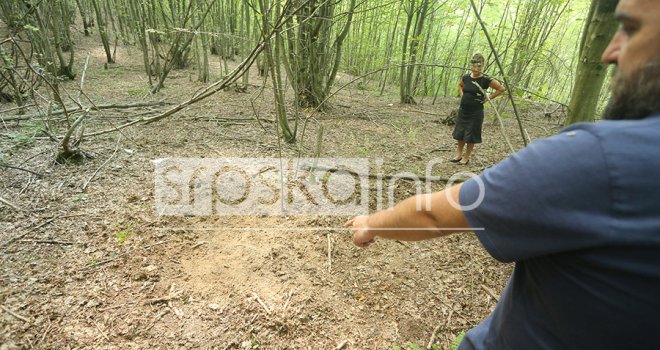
[(478, 57)]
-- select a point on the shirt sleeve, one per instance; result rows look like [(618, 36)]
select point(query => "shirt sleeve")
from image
[(553, 196)]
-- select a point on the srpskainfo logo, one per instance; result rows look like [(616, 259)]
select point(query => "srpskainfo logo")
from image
[(261, 186)]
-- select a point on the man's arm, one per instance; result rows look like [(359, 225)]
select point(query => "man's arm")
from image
[(412, 219), (460, 88)]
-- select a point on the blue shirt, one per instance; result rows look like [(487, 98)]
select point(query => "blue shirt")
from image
[(579, 213)]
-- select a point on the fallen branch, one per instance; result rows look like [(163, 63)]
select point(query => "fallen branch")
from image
[(288, 299), (12, 240), (329, 252), (95, 265), (491, 293), (342, 345), (15, 314), (84, 188), (21, 169), (198, 244), (261, 303), (43, 336), (8, 118), (47, 241), (10, 204), (386, 177), (434, 334), (437, 329), (156, 319), (162, 299), (101, 331), (423, 112), (15, 108)]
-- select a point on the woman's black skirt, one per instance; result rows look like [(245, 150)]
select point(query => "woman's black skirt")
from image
[(468, 126)]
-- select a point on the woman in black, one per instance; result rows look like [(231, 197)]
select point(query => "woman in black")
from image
[(471, 111)]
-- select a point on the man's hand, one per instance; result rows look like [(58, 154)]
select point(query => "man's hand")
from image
[(360, 227)]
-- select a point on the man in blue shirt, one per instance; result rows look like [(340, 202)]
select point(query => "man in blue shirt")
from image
[(578, 213)]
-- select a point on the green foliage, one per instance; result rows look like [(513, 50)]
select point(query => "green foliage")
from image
[(137, 92), (21, 139), (115, 72), (80, 197), (457, 341), (518, 92), (412, 346), (125, 234), (403, 121), (26, 135), (30, 28), (412, 135)]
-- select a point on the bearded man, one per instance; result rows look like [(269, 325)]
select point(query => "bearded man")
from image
[(578, 213)]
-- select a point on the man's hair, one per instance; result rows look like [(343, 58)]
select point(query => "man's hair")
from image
[(636, 96)]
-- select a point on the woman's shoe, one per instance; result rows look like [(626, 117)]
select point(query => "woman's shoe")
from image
[(464, 163), (455, 160)]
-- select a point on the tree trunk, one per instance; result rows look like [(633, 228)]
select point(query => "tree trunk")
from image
[(83, 15), (273, 55), (591, 71), (103, 31)]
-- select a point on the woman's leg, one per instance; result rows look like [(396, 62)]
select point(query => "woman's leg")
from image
[(468, 152), (459, 150)]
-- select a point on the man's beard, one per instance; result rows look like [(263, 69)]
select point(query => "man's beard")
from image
[(637, 96)]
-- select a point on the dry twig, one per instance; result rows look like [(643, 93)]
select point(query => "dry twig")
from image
[(95, 265), (84, 188), (43, 336), (286, 304), (21, 169), (10, 204), (162, 299), (261, 303), (490, 292), (198, 244), (156, 319), (22, 318), (329, 252), (437, 329), (46, 241), (101, 331)]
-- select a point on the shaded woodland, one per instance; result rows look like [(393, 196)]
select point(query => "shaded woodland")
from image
[(420, 46)]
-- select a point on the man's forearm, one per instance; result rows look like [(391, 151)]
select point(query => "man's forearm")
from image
[(407, 221), (420, 217)]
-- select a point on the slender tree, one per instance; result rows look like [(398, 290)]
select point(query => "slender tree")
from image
[(591, 72), (315, 50), (416, 15), (100, 21)]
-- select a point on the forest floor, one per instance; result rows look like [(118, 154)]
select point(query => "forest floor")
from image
[(91, 264)]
